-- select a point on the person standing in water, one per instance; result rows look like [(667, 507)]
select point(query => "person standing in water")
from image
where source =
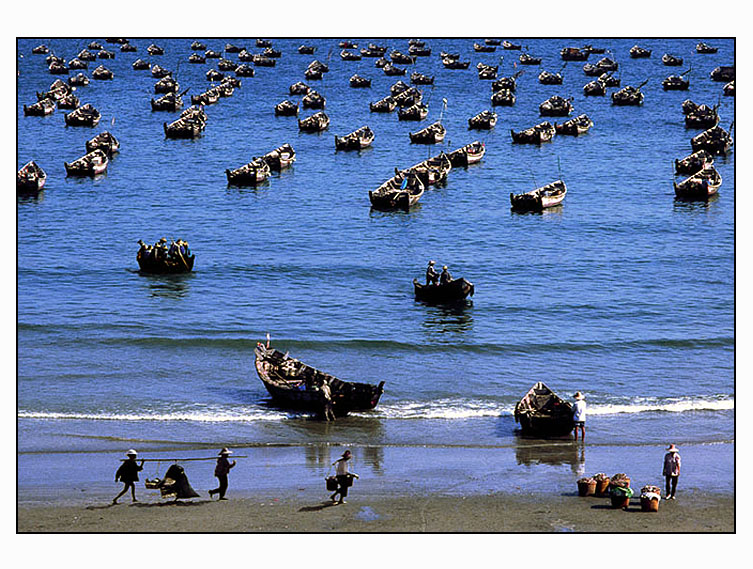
[(221, 471), (344, 477), (128, 474), (671, 472), (579, 415)]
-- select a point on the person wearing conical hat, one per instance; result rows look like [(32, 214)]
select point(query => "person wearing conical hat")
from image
[(221, 471), (445, 277), (128, 474), (431, 274), (343, 476), (579, 415), (671, 472)]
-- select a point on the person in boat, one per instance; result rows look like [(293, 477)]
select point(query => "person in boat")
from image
[(432, 276), (221, 471), (144, 250), (445, 277), (671, 470), (343, 476), (579, 415), (128, 474), (329, 413)]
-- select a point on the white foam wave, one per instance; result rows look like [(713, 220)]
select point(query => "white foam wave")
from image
[(675, 406), (249, 416)]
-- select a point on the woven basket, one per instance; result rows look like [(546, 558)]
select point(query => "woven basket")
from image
[(586, 488), (649, 504), (620, 502)]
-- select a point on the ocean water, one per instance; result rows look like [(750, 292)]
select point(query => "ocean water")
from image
[(622, 292)]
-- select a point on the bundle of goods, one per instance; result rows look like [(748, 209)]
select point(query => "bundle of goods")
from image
[(650, 498), (620, 491)]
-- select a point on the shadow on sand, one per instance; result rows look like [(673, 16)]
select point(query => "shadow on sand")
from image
[(319, 507)]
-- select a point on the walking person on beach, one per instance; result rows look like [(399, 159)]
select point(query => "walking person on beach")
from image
[(128, 474), (221, 471), (579, 415), (671, 470), (344, 478)]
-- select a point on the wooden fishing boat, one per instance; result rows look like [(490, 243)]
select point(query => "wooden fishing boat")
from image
[(154, 49), (225, 89), (356, 140), (69, 102), (155, 264), (509, 45), (120, 41), (40, 108), (483, 48), (91, 164), (295, 385), (208, 97), (487, 72), (609, 80), (40, 49), (306, 49), (371, 52), (689, 106), (263, 61), (78, 80), (671, 60), (455, 63), (574, 54), (507, 83), (58, 68), (575, 126), (299, 88), (318, 65), (280, 158), (594, 89), (542, 132), (401, 58), (347, 44), (105, 54), (271, 52), (245, 56), (637, 52), (676, 83), (468, 154), (723, 73), (485, 120), (244, 70), (416, 42), (170, 102), (543, 413), (503, 98), (417, 112), (57, 91), (249, 174), (693, 163), (454, 291), (140, 65), (105, 142), (715, 141), (184, 128), (381, 62), (30, 178), (540, 198), (85, 115), (431, 171), (700, 186), (527, 59), (399, 86), (703, 117), (392, 70), (77, 63), (399, 192), (101, 73), (386, 105), (628, 96), (314, 100), (597, 50), (313, 74), (158, 72), (420, 79), (419, 51), (492, 41), (230, 48), (432, 134), (729, 89), (52, 58), (443, 55), (411, 96), (166, 85), (214, 75), (315, 123), (358, 82), (549, 78), (556, 106), (231, 82), (212, 54), (128, 48), (263, 43), (286, 109), (226, 65), (197, 58), (196, 44), (702, 47), (604, 65)]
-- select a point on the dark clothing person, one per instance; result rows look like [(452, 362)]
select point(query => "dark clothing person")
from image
[(128, 474), (445, 277), (329, 413), (221, 471), (671, 471), (343, 477), (431, 274)]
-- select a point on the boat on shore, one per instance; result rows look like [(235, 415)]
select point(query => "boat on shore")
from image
[(543, 413), (296, 385), (454, 291), (540, 198)]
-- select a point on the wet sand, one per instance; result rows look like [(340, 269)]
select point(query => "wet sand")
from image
[(499, 512)]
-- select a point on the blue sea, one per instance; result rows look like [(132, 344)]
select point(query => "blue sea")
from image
[(622, 292)]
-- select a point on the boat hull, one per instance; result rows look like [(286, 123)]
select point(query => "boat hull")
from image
[(454, 291)]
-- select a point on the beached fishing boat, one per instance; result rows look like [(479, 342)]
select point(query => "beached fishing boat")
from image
[(85, 115), (715, 141), (356, 140), (401, 191), (575, 126), (91, 164), (485, 120), (30, 178), (105, 142), (468, 154), (315, 123), (693, 163), (700, 186), (454, 291), (286, 109), (540, 198), (542, 132), (432, 134), (543, 413), (280, 158), (249, 174), (295, 385)]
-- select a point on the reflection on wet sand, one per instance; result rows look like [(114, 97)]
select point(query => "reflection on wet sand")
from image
[(321, 457), (529, 452)]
